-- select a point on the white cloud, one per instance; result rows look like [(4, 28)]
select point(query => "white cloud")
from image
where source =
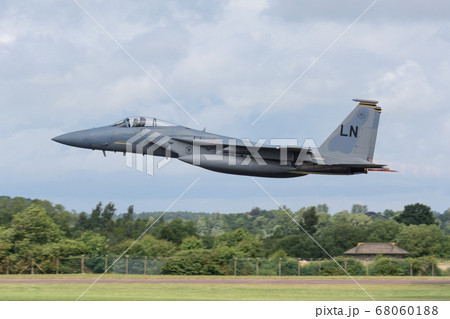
[(6, 38), (406, 88), (399, 11)]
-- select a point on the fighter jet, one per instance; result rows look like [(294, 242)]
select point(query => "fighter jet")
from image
[(348, 150)]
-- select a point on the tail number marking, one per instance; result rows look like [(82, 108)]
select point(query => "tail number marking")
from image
[(352, 132)]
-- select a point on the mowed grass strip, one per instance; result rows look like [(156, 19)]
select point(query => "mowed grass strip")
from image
[(220, 292), (138, 276)]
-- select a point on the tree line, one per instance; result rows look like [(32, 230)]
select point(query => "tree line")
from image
[(39, 228)]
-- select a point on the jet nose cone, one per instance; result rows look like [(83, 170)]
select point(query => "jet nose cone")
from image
[(60, 139), (77, 139)]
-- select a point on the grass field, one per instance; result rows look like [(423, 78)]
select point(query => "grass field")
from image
[(175, 291)]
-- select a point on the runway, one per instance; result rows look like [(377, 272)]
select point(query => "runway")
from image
[(228, 281)]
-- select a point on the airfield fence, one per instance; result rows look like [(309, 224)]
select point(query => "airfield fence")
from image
[(143, 265)]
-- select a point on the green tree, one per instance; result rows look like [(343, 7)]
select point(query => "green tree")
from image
[(444, 219), (324, 219), (383, 266), (65, 247), (359, 209), (384, 230), (10, 207), (95, 221), (35, 226), (309, 220), (282, 223), (94, 243), (147, 246), (250, 245), (322, 208), (359, 220), (128, 217), (259, 226), (125, 227), (223, 255), (297, 246), (280, 253), (256, 211), (6, 241), (82, 223), (194, 262), (416, 214), (214, 224), (176, 230), (388, 213), (106, 217), (340, 235), (64, 219), (192, 242), (151, 246), (424, 240)]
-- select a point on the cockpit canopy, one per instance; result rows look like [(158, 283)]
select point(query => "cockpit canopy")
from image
[(139, 121)]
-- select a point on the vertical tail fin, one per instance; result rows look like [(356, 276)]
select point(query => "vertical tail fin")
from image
[(353, 141)]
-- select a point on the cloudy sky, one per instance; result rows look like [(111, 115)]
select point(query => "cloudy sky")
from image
[(225, 62)]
